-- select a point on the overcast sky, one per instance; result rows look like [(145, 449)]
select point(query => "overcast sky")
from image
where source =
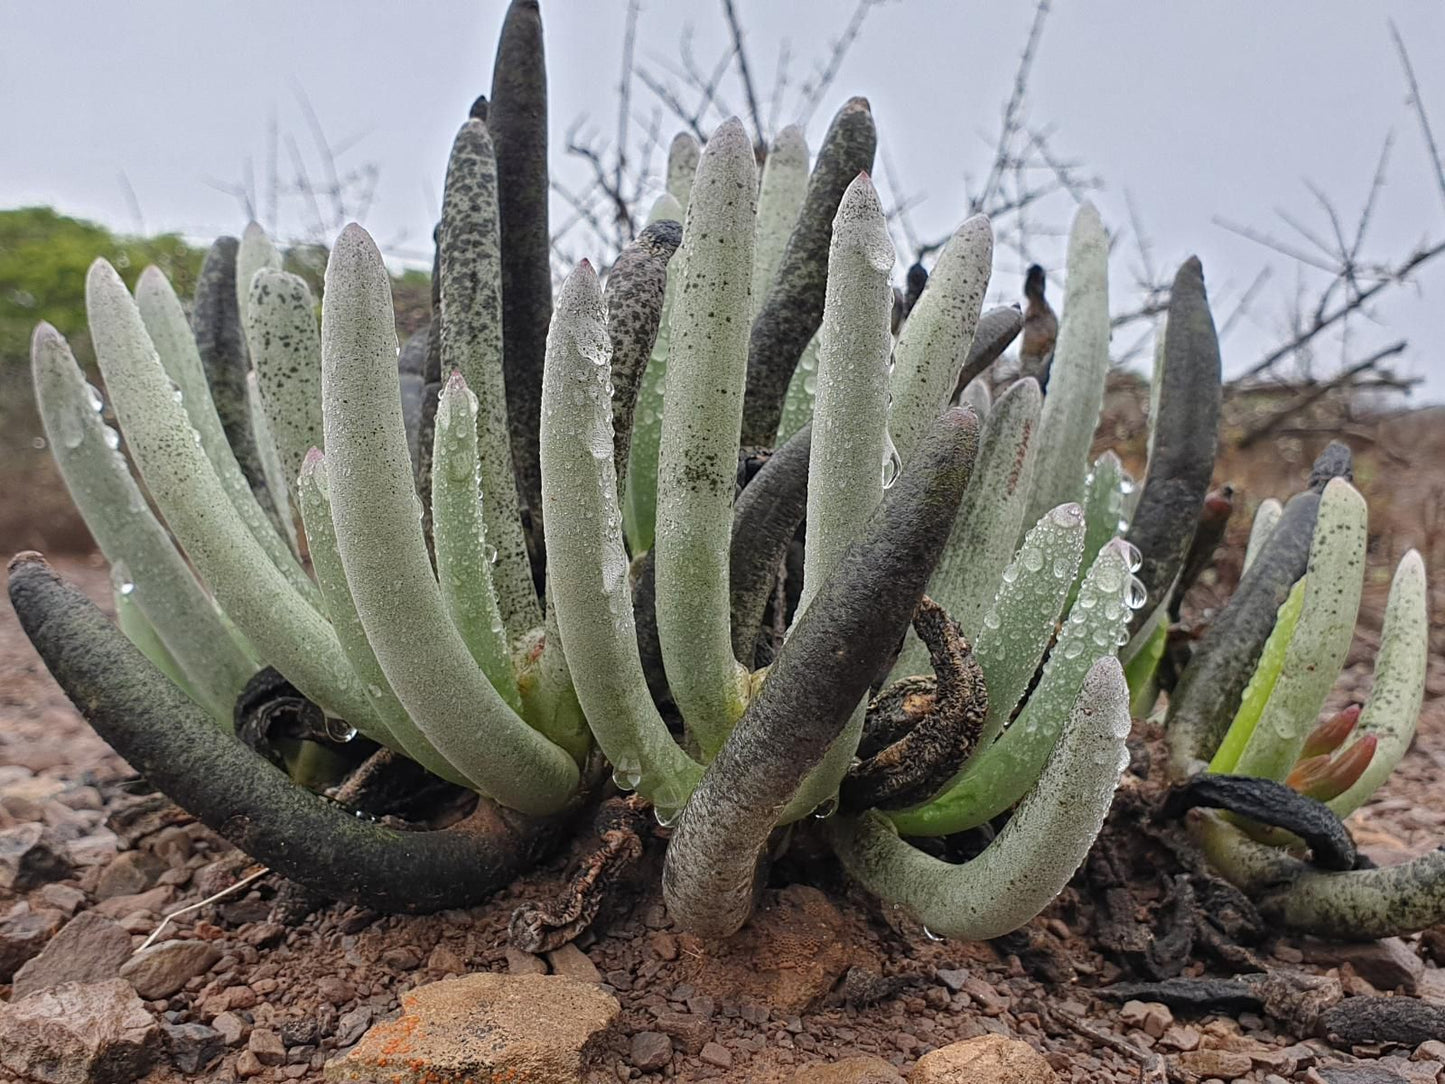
[(1196, 110)]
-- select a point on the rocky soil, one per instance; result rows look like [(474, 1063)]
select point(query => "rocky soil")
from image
[(118, 971)]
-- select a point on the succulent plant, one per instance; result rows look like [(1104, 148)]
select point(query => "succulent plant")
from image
[(542, 565), (1288, 628)]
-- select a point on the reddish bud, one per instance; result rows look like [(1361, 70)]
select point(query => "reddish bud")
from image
[(1323, 777), (1331, 734)]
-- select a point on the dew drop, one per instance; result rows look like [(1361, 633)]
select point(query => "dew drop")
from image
[(339, 730), (627, 773), (826, 808), (1011, 573), (112, 438), (892, 462), (931, 935), (1063, 568), (374, 691), (489, 553), (1137, 594), (1132, 557), (1073, 649), (93, 397), (1032, 559), (1067, 515), (992, 621), (1126, 484)]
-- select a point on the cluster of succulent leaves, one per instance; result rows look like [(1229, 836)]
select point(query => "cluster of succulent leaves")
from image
[(530, 553), (1250, 702)]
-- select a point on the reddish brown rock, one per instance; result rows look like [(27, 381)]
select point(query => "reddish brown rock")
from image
[(31, 855), (79, 1033), (526, 1029), (23, 936), (89, 948), (163, 969), (788, 957)]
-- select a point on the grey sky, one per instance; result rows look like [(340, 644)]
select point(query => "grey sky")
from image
[(1196, 109)]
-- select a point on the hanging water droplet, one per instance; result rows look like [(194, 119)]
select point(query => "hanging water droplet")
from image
[(826, 808), (1137, 594), (1126, 483), (339, 730), (489, 553), (93, 397), (1122, 525), (1132, 557), (931, 935), (1122, 638), (892, 462), (667, 816), (627, 773), (112, 438)]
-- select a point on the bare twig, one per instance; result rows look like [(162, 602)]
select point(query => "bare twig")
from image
[(745, 72), (1313, 394), (1419, 103)]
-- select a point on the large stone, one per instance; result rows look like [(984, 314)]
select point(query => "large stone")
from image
[(1387, 964), (193, 1046), (79, 1033), (30, 856), (525, 1029), (864, 1069), (131, 873), (23, 936), (989, 1059), (164, 969), (788, 957), (88, 948), (650, 1050)]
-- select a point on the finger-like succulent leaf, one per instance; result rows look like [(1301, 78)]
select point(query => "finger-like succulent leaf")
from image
[(639, 506), (1036, 853), (793, 310), (1209, 691), (314, 497), (697, 464), (781, 192), (517, 120), (285, 347), (469, 263), (1266, 518), (586, 558), (814, 685), (981, 543), (283, 626), (240, 796), (464, 552), (1261, 683), (170, 334), (115, 511), (1005, 771), (1185, 428), (935, 340), (997, 328), (376, 512), (1081, 362), (1360, 904), (765, 521), (636, 289), (1393, 709), (682, 158), (1316, 651), (220, 340)]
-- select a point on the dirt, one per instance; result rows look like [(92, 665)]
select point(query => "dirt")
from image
[(823, 974)]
